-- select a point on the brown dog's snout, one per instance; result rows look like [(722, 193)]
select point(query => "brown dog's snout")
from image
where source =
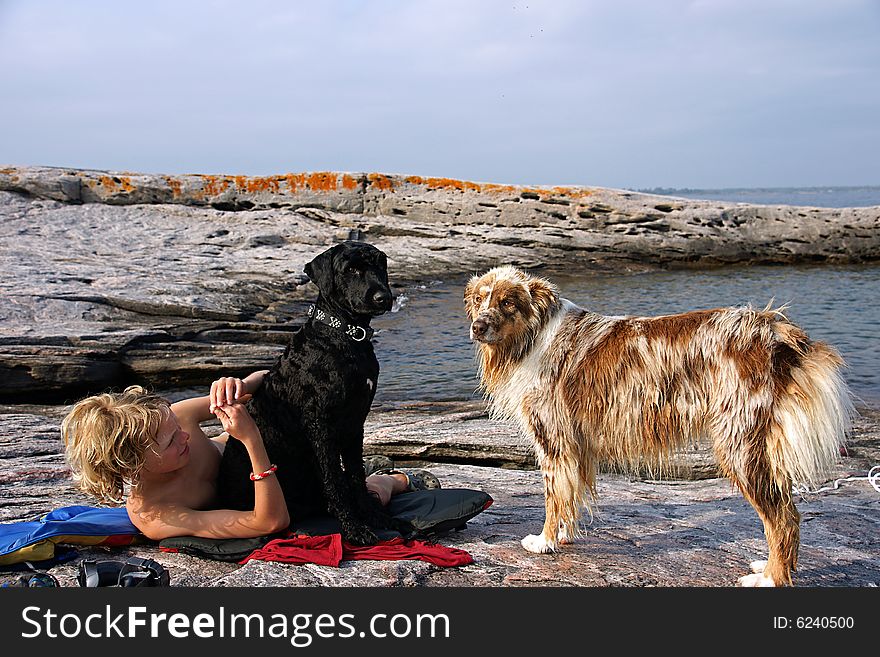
[(479, 326)]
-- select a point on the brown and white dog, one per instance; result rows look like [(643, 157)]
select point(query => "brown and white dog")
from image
[(627, 390)]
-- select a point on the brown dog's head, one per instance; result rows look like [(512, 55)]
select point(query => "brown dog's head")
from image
[(507, 305)]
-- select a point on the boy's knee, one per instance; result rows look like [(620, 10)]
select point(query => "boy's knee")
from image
[(380, 486)]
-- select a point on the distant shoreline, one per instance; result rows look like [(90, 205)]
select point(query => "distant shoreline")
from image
[(827, 196)]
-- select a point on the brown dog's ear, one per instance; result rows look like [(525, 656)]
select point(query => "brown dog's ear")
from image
[(544, 294), (320, 270), (469, 290)]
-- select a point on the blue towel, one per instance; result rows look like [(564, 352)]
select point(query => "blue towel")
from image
[(77, 525)]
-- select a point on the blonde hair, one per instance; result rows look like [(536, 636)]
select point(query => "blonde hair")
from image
[(106, 438)]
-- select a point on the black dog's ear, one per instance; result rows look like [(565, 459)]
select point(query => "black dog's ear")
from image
[(320, 270)]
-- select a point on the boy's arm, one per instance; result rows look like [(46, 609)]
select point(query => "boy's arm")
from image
[(223, 390), (269, 515), (168, 520)]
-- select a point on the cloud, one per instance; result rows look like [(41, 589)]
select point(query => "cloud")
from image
[(620, 94)]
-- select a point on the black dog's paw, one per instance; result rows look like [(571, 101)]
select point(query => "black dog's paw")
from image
[(377, 517), (402, 527), (359, 535)]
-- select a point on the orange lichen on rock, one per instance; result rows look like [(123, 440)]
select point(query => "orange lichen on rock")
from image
[(125, 181), (542, 192), (319, 181), (445, 183), (328, 182), (323, 181), (254, 184), (293, 182), (215, 185), (109, 183), (380, 181), (175, 186), (493, 188), (348, 182)]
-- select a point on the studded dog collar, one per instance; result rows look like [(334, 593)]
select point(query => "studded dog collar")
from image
[(355, 332)]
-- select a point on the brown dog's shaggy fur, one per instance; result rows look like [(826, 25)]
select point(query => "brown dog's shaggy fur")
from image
[(629, 390)]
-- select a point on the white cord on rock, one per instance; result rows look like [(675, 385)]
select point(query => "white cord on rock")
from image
[(873, 478)]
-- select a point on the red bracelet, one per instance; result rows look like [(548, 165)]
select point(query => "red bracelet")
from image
[(263, 475)]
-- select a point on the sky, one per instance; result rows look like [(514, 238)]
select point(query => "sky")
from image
[(626, 94)]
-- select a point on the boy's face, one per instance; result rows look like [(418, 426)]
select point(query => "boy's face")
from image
[(170, 450)]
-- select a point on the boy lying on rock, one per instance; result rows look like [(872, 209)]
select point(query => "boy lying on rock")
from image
[(158, 451)]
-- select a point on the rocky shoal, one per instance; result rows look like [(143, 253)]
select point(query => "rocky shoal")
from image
[(116, 277), (647, 531), (111, 278)]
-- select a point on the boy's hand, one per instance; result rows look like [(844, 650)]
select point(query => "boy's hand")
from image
[(237, 422), (227, 390)]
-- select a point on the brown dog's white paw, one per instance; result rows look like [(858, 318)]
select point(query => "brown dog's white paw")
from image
[(757, 578), (536, 544)]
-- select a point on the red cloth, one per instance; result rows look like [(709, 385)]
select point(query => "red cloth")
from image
[(321, 550), (329, 550)]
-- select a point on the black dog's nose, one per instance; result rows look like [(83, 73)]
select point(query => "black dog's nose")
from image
[(479, 327), (382, 298)]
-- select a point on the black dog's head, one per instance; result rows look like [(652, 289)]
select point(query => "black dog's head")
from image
[(354, 277)]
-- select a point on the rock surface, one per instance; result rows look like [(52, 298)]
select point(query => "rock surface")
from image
[(646, 532), (111, 278), (171, 280), (590, 224)]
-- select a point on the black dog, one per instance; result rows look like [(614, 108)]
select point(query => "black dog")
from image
[(313, 403)]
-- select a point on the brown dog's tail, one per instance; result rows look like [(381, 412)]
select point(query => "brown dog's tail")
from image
[(814, 409)]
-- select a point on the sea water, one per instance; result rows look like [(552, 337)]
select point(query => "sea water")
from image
[(425, 352), (818, 197)]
